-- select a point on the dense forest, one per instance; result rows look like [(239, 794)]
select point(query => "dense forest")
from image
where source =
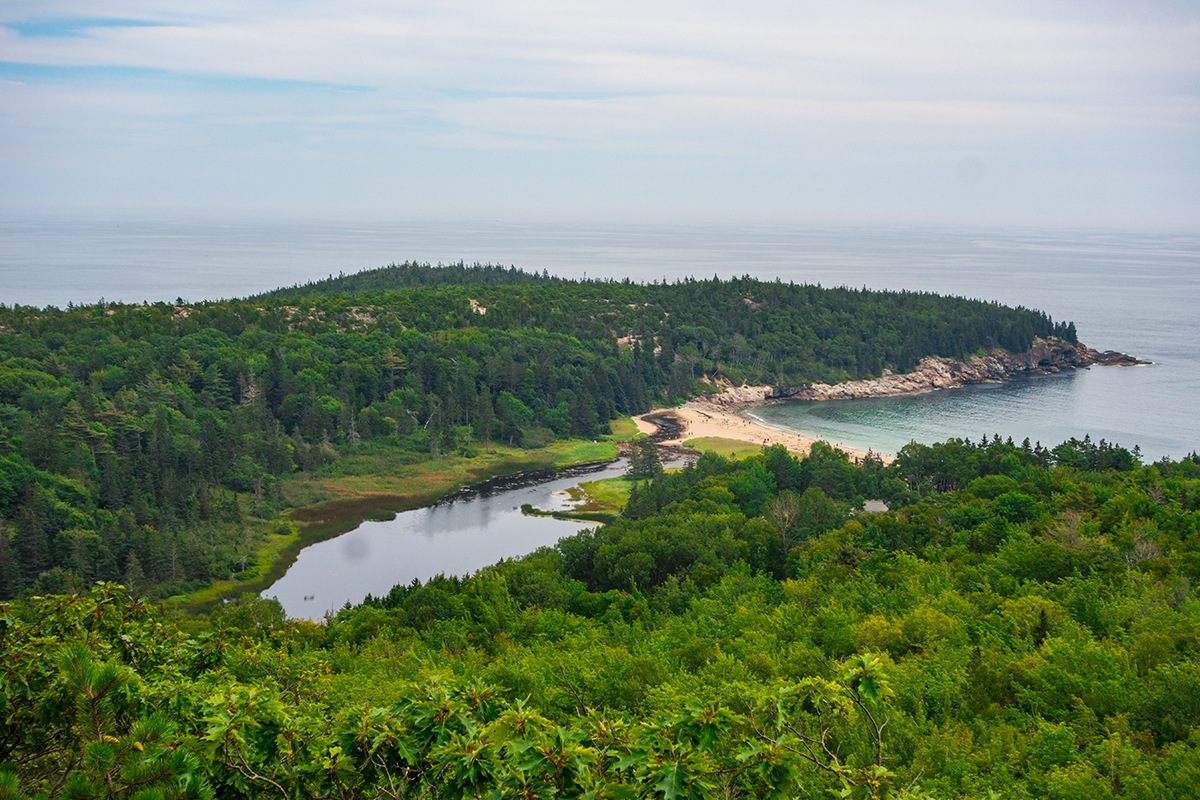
[(1023, 623), (136, 440)]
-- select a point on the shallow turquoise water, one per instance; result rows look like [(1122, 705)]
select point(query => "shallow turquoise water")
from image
[(1046, 409)]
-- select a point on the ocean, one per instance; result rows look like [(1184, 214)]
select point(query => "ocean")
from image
[(1137, 292)]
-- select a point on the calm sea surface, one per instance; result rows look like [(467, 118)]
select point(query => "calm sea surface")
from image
[(1134, 292)]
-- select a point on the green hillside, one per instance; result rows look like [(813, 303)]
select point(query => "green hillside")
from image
[(1013, 628), (158, 445)]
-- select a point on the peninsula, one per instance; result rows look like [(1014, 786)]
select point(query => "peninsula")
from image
[(1012, 619), (166, 445)]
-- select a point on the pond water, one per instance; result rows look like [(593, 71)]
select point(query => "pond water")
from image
[(457, 536)]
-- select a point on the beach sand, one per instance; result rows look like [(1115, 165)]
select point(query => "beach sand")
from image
[(704, 419)]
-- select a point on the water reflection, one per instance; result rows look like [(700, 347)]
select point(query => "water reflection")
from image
[(456, 537)]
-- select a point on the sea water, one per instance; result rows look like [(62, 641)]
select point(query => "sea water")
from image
[(1137, 292)]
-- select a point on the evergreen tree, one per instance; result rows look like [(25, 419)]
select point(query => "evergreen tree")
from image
[(644, 461)]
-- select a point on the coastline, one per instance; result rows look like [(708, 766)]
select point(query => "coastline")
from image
[(1044, 357), (727, 414), (702, 419)]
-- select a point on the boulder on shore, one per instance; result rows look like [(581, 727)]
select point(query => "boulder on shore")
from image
[(935, 372)]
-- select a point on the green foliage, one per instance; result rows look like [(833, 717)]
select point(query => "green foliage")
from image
[(1022, 623), (130, 428), (95, 701), (643, 460), (670, 655)]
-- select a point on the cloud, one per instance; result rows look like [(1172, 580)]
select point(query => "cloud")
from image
[(777, 82)]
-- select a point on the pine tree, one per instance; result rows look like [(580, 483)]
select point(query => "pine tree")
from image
[(643, 460), (135, 578)]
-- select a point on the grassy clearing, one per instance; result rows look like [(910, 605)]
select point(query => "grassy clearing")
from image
[(625, 430), (373, 482), (730, 448), (601, 500), (609, 494), (596, 501), (582, 452)]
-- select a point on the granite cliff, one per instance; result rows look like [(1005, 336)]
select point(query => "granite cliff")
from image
[(933, 372)]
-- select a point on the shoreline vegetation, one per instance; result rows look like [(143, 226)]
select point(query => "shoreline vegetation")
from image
[(1010, 620), (726, 414), (708, 422), (355, 499), (160, 445)]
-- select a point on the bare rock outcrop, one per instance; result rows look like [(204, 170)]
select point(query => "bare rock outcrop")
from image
[(934, 372)]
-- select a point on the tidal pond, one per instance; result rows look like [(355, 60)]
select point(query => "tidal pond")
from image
[(461, 534)]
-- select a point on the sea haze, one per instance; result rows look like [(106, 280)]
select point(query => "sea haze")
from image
[(1136, 292)]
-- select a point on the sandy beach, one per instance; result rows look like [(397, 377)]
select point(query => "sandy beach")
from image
[(705, 419)]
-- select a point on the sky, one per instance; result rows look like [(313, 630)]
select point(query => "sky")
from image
[(1048, 112)]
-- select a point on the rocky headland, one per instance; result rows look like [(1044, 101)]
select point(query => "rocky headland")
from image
[(1044, 357)]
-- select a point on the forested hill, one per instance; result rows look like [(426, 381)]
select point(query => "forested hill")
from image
[(126, 429), (411, 274), (695, 300), (1023, 622), (841, 333)]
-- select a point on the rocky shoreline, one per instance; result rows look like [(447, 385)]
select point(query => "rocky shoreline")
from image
[(1046, 356)]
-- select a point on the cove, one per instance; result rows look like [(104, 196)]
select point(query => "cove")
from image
[(1045, 408), (459, 535)]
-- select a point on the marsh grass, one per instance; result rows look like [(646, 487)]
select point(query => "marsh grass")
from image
[(373, 482), (584, 516), (626, 430), (729, 448), (608, 494)]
